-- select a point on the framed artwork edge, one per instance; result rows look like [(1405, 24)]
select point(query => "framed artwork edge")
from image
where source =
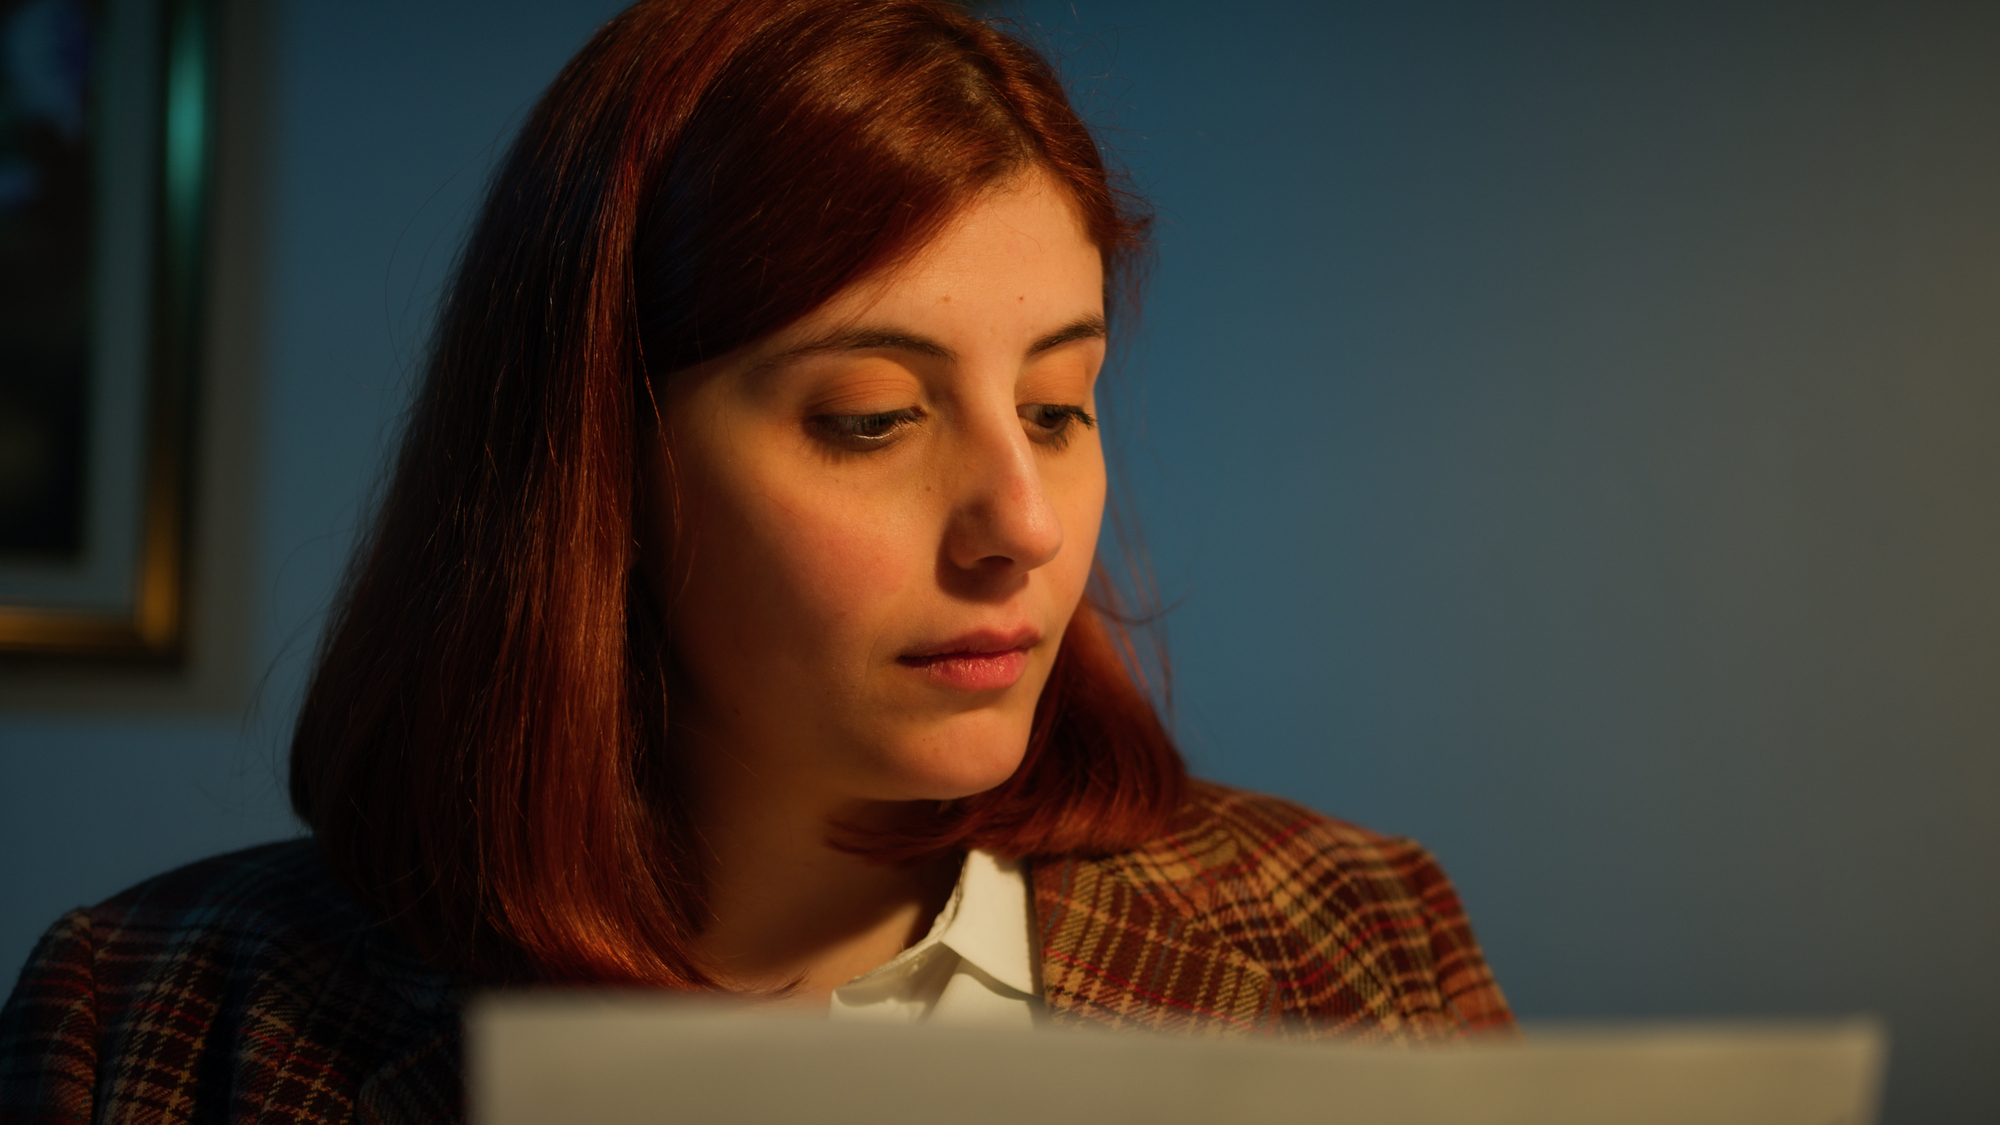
[(186, 645)]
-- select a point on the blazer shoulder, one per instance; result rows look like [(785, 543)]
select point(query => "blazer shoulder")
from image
[(259, 892), (262, 920), (1345, 918), (240, 985)]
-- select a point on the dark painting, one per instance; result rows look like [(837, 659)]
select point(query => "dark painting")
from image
[(46, 210)]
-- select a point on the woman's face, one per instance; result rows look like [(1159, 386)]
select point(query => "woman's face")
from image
[(888, 512)]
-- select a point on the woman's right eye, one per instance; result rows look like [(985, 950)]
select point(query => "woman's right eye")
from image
[(865, 431)]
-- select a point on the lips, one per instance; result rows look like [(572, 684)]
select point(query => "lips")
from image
[(984, 660)]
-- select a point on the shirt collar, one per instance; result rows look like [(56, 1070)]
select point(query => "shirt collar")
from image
[(986, 923)]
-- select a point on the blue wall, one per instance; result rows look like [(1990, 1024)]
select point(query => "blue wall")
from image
[(1566, 433)]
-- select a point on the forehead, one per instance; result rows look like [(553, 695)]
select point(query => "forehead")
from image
[(1017, 253), (1012, 275)]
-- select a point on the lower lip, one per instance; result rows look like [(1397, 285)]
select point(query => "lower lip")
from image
[(967, 671)]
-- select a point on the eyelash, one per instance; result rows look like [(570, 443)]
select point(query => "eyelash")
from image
[(1056, 421), (852, 431), (862, 433)]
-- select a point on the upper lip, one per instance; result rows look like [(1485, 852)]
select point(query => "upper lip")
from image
[(978, 642)]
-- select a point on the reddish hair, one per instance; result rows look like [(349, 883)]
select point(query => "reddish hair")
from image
[(483, 750)]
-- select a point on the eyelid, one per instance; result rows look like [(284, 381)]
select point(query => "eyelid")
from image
[(851, 405), (1062, 379), (866, 392), (1073, 411), (843, 430)]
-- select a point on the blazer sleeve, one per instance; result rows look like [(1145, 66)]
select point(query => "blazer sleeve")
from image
[(49, 1033), (1464, 982)]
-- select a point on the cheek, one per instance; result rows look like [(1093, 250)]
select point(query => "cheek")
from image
[(844, 564), (798, 579), (1078, 497)]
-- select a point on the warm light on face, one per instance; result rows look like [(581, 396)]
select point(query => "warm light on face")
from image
[(889, 511)]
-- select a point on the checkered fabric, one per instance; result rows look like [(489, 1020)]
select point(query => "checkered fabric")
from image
[(1256, 916), (245, 988), (250, 988)]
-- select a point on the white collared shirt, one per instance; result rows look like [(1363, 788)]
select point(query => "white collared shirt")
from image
[(974, 969)]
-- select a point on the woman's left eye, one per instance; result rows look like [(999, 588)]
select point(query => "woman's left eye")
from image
[(1049, 423)]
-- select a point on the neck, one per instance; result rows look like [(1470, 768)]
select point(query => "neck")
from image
[(786, 908)]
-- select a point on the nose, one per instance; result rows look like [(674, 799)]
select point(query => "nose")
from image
[(1002, 522)]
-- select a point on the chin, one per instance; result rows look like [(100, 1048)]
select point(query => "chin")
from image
[(961, 760)]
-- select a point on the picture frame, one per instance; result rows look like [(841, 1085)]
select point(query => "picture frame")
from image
[(107, 148)]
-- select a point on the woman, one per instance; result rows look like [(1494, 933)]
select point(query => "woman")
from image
[(732, 622)]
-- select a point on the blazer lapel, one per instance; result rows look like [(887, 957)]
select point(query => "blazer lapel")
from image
[(420, 1074), (1117, 952)]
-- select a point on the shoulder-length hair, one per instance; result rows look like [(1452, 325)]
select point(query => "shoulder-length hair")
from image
[(484, 749)]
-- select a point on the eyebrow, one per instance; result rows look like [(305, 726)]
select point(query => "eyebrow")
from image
[(890, 339), (1089, 328)]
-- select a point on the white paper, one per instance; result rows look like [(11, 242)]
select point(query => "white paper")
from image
[(536, 1059)]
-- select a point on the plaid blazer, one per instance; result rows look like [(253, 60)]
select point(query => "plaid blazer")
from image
[(250, 988)]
